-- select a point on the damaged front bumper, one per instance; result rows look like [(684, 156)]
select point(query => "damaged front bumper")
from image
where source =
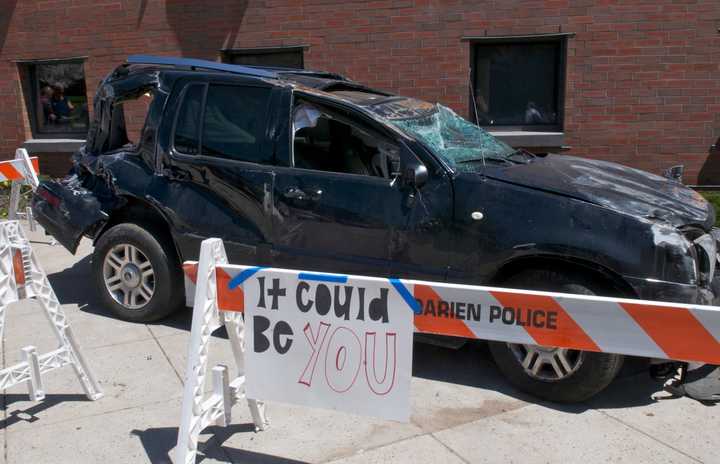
[(704, 288), (695, 380)]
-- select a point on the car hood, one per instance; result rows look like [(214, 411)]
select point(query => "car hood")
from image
[(612, 185)]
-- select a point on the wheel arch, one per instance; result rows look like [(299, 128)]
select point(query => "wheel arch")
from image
[(612, 282), (141, 212)]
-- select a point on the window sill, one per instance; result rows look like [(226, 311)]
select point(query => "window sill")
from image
[(524, 139), (517, 139), (34, 146)]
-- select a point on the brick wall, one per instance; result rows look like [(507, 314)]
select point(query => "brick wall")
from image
[(54, 164), (643, 76)]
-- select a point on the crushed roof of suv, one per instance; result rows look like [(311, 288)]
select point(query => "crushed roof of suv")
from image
[(319, 80)]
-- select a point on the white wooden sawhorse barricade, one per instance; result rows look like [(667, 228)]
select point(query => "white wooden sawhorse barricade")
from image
[(23, 170), (21, 277), (653, 329), (199, 411)]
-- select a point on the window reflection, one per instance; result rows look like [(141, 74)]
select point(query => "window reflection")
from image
[(61, 97), (517, 84)]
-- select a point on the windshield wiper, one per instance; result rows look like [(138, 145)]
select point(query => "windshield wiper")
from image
[(521, 151), (486, 159)]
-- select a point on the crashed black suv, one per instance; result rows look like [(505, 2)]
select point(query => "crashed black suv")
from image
[(309, 170)]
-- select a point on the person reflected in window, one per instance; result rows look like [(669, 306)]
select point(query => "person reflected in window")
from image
[(533, 115), (46, 94), (62, 108)]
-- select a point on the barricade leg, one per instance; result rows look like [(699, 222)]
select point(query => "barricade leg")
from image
[(34, 383), (221, 388), (30, 219), (2, 320), (236, 333), (204, 322), (87, 379), (14, 201), (8, 287), (58, 321)]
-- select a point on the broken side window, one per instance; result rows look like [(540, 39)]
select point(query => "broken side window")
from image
[(326, 140), (136, 111)]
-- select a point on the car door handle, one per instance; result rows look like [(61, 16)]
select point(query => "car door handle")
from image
[(297, 194)]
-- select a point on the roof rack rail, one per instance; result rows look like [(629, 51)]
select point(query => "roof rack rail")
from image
[(201, 64)]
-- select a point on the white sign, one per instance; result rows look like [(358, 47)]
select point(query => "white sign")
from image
[(329, 341)]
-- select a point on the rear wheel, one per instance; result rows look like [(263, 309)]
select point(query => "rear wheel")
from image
[(555, 374), (137, 273)]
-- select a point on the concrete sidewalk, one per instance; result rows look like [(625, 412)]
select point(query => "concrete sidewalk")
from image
[(463, 410)]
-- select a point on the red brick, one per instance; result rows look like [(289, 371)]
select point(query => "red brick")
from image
[(639, 72)]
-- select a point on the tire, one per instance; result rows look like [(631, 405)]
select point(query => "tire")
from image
[(121, 260), (589, 372)]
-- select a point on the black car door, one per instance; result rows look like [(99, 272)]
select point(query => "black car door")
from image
[(217, 177), (340, 205)]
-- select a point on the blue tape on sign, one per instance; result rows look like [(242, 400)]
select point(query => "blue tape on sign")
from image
[(333, 278), (243, 276), (406, 295)]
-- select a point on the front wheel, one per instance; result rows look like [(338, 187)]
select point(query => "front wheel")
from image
[(556, 374), (137, 276)]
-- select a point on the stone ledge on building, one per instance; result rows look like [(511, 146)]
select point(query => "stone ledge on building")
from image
[(550, 141), (37, 146), (54, 154)]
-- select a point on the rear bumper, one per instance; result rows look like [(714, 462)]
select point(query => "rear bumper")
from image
[(657, 290), (66, 211)]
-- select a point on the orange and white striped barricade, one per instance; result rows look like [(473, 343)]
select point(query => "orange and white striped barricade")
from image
[(23, 170), (199, 410), (222, 292), (654, 329), (21, 277)]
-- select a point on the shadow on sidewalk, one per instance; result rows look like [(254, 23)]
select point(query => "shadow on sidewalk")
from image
[(472, 365), (29, 414), (74, 285), (159, 443)]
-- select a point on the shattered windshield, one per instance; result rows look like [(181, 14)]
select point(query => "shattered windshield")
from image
[(446, 133)]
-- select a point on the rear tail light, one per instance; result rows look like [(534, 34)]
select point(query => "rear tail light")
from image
[(52, 199)]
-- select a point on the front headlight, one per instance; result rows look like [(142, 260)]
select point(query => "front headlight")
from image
[(676, 254)]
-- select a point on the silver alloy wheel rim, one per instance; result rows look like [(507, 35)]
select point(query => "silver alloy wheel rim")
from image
[(546, 363), (129, 276)]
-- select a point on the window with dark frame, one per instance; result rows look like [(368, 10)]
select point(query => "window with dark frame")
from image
[(232, 134), (187, 125), (208, 122), (518, 83), (285, 57), (56, 97)]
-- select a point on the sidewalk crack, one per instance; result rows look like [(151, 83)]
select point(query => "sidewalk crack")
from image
[(167, 358), (449, 449)]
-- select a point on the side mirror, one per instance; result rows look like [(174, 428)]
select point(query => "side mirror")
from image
[(675, 173), (415, 176)]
